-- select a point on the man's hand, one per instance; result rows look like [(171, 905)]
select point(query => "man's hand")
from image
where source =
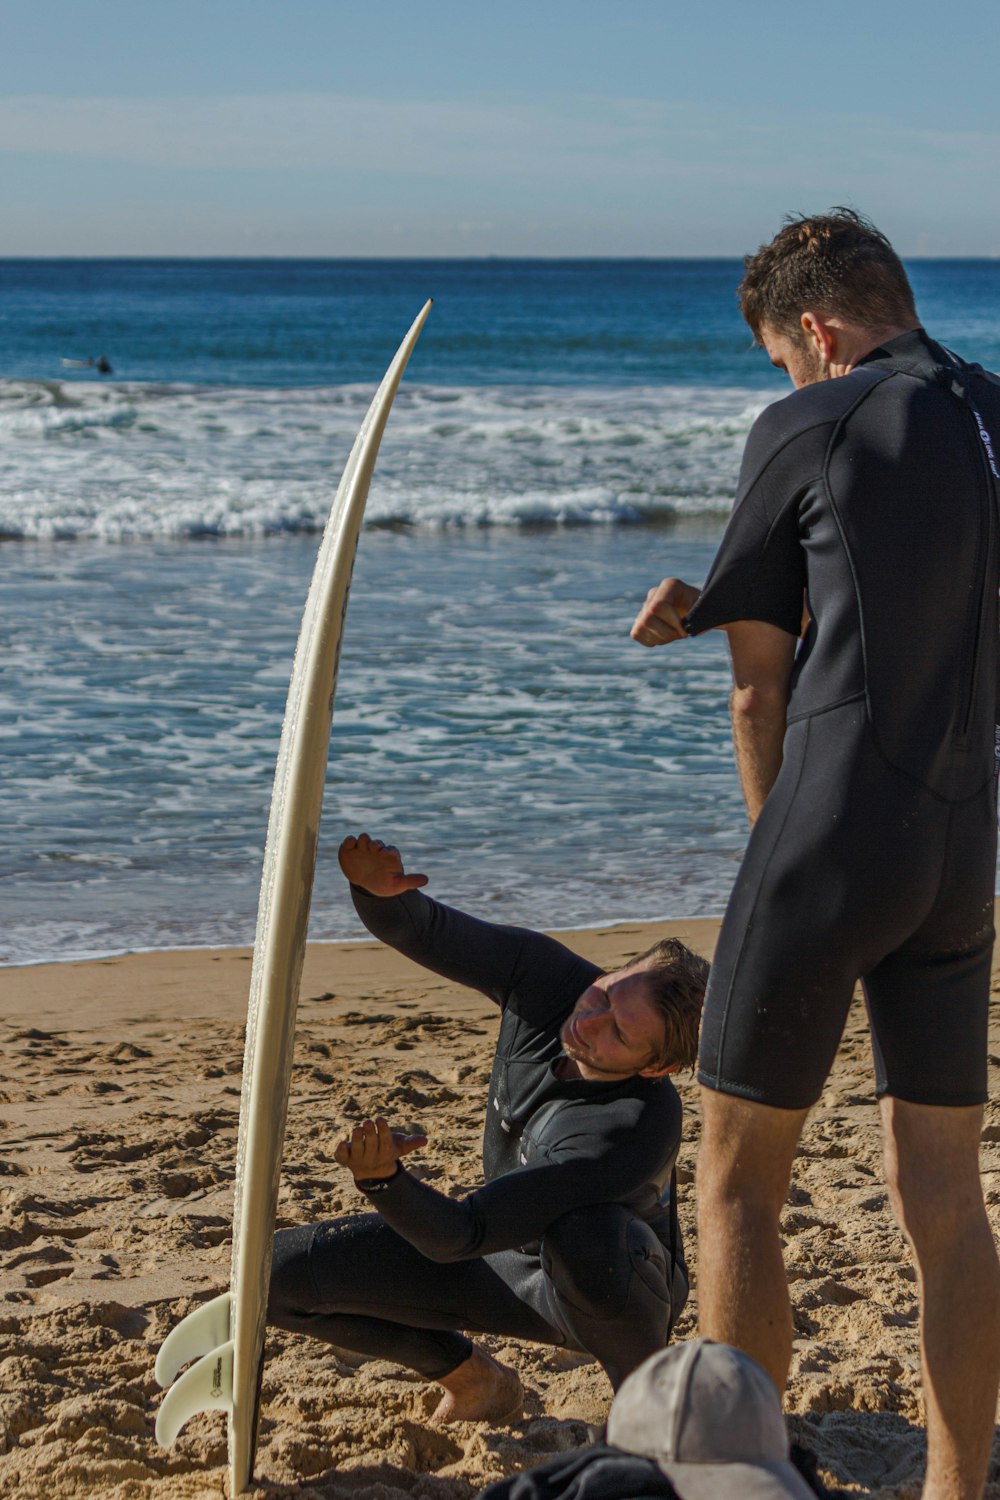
[(376, 867), (373, 1149), (660, 620)]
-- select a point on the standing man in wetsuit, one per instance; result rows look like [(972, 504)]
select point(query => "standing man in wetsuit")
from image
[(573, 1240), (866, 755)]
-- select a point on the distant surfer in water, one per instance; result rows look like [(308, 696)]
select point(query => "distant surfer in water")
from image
[(573, 1240), (101, 364)]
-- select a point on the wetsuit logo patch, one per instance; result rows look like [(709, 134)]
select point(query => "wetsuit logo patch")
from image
[(987, 444)]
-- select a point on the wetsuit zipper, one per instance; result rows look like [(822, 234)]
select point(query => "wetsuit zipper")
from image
[(974, 623)]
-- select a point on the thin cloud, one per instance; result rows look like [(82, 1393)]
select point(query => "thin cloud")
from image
[(577, 137), (320, 173)]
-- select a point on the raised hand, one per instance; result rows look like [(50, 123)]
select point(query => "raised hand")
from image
[(376, 867), (661, 618), (372, 1149)]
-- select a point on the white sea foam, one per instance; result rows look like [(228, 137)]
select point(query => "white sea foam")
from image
[(120, 461), (491, 710)]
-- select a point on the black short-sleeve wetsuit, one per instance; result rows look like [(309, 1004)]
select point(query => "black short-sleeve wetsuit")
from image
[(873, 499), (573, 1238)]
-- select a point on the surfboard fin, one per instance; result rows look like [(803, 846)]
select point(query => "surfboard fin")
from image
[(206, 1386), (199, 1333), (204, 1335)]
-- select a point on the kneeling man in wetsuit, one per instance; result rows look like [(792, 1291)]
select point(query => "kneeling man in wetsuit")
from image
[(573, 1239)]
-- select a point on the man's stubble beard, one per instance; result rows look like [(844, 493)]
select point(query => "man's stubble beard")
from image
[(813, 368), (576, 1055)]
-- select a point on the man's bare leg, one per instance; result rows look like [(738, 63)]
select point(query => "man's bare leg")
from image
[(744, 1168), (932, 1167), (480, 1389)]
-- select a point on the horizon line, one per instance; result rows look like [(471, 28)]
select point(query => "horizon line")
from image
[(413, 259)]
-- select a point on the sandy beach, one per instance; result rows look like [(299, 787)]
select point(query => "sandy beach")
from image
[(119, 1098)]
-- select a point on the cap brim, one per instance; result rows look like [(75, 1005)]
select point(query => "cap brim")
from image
[(764, 1481)]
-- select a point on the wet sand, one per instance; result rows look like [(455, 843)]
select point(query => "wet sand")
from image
[(119, 1098)]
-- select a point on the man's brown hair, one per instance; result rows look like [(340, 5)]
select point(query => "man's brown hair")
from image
[(836, 263), (676, 980)]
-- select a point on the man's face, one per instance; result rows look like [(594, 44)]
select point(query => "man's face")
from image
[(797, 355), (614, 1030)]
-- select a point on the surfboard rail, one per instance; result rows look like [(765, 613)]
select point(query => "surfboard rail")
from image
[(225, 1337)]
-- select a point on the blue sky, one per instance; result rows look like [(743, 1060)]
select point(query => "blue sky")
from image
[(432, 127)]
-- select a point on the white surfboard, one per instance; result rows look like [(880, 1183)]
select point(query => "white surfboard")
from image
[(226, 1336)]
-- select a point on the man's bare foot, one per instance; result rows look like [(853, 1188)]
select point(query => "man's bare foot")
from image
[(479, 1390)]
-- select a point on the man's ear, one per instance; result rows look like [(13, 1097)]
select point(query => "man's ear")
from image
[(659, 1072), (819, 335)]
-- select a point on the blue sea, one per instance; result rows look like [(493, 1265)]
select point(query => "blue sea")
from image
[(568, 433)]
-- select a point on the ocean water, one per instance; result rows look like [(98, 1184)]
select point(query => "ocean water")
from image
[(567, 433)]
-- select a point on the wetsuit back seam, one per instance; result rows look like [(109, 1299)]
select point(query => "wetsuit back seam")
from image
[(775, 453), (814, 713), (919, 780), (824, 421), (862, 636), (859, 697), (838, 520)]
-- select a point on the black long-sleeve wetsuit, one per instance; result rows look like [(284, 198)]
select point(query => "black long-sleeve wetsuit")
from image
[(573, 1238)]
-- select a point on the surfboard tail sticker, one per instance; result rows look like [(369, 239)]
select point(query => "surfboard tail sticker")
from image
[(279, 948)]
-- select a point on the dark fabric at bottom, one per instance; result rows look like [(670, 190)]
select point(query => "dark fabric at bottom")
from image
[(605, 1473), (594, 1474)]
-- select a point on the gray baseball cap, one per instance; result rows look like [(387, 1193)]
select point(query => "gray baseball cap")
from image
[(710, 1417)]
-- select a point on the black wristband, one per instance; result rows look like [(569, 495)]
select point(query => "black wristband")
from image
[(370, 1185)]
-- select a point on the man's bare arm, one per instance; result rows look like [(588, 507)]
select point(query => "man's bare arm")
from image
[(762, 658)]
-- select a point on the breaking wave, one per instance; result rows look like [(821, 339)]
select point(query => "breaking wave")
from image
[(127, 461)]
